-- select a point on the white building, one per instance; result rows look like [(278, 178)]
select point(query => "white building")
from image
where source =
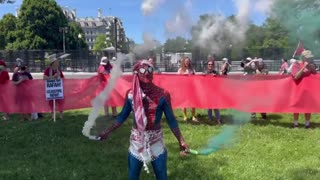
[(94, 26)]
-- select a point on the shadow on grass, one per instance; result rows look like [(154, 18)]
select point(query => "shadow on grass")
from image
[(275, 120), (308, 173)]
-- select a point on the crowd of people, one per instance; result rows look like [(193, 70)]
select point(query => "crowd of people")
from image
[(297, 68)]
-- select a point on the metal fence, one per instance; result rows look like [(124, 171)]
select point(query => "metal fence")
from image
[(88, 61)]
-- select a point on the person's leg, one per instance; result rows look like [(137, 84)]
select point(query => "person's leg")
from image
[(106, 110), (210, 115), (114, 111), (134, 167), (5, 116), (295, 119), (184, 111), (307, 118), (193, 112), (253, 115), (217, 114), (264, 116), (160, 167)]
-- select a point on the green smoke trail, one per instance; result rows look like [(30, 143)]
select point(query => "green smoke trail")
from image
[(302, 19), (226, 137)]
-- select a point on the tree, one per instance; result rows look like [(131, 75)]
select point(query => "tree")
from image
[(7, 26), (179, 44), (74, 42), (101, 43), (276, 39), (301, 19), (38, 27)]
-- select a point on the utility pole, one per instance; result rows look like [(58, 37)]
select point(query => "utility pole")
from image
[(63, 30), (115, 34)]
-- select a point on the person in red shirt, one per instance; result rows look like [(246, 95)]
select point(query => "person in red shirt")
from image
[(53, 72), (105, 68), (4, 77), (284, 67), (299, 71)]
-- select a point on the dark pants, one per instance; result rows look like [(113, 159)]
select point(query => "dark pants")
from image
[(159, 167)]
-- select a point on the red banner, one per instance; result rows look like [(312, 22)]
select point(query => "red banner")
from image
[(272, 93)]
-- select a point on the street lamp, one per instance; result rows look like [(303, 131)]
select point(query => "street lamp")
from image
[(79, 44), (63, 30)]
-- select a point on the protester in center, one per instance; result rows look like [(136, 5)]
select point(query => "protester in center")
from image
[(299, 71), (54, 72), (187, 69), (4, 78), (105, 68)]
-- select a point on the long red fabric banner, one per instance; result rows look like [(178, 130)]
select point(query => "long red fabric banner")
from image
[(272, 93)]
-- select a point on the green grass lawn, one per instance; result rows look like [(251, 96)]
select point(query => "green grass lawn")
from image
[(264, 150)]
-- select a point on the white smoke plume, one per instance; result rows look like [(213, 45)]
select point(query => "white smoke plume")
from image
[(263, 6), (181, 22), (214, 32), (98, 102), (149, 6), (148, 44)]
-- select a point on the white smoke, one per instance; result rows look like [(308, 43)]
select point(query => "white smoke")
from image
[(181, 22), (218, 32), (148, 44), (148, 6), (263, 6), (98, 102)]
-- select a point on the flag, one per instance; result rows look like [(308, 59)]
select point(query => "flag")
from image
[(298, 50)]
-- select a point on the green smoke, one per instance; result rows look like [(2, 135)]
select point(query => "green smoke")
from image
[(302, 19), (226, 137)]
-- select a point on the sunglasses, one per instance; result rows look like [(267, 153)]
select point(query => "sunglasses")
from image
[(210, 64), (144, 70)]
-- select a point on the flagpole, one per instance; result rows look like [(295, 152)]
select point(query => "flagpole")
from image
[(294, 54)]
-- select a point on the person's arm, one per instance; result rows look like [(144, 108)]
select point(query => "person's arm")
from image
[(121, 118), (224, 67), (30, 76), (46, 75), (249, 63), (297, 74), (172, 122), (16, 80)]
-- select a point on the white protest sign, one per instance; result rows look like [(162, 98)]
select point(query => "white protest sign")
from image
[(54, 89)]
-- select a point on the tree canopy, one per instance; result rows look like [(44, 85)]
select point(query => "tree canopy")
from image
[(39, 27)]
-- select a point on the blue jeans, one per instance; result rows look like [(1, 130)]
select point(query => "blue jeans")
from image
[(216, 113), (159, 167)]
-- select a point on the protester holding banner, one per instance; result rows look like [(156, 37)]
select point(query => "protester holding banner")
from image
[(19, 78), (211, 71), (261, 68), (187, 69), (226, 66), (105, 68), (300, 70), (284, 67), (4, 78), (53, 72), (156, 69)]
